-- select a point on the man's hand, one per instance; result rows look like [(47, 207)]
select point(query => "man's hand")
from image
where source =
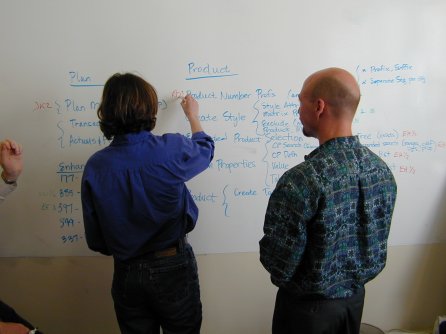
[(13, 328), (11, 159)]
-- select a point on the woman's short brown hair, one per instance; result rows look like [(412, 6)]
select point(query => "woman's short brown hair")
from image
[(129, 104)]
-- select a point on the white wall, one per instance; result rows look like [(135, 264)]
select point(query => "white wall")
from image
[(71, 294)]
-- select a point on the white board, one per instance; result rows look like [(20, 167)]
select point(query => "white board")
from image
[(245, 62)]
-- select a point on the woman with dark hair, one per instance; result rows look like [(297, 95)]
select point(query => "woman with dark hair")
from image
[(137, 208)]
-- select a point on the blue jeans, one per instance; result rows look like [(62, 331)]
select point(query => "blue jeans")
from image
[(156, 292)]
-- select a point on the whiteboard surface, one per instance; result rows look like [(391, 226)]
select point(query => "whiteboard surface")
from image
[(244, 61)]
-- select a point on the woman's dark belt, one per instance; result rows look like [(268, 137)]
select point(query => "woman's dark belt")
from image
[(166, 252)]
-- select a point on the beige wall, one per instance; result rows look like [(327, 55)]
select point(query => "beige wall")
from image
[(71, 294)]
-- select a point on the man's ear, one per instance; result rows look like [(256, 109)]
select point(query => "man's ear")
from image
[(320, 107)]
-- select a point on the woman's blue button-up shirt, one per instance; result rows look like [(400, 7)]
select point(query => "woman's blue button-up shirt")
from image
[(134, 196)]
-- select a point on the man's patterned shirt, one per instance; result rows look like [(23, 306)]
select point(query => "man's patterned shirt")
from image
[(328, 220)]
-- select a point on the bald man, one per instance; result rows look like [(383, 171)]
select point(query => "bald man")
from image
[(328, 219)]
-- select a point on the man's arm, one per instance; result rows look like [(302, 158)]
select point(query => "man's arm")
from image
[(285, 229), (11, 163)]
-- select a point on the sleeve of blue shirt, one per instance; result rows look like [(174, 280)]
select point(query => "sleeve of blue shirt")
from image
[(285, 228), (195, 155)]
